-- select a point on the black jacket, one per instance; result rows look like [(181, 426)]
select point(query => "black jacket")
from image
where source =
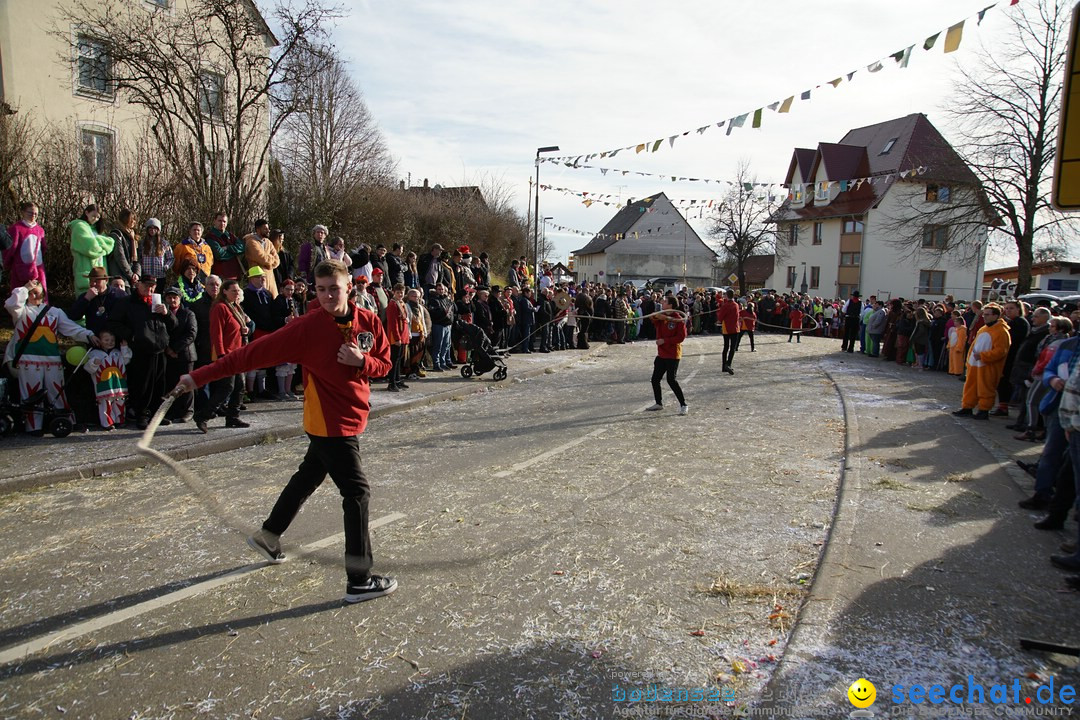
[(395, 269), (482, 318), (201, 308), (182, 336), (259, 306), (145, 331), (96, 311), (441, 309), (120, 263)]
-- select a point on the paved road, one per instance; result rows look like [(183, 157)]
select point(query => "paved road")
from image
[(551, 540)]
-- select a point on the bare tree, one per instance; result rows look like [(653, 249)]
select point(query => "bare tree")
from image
[(209, 73), (742, 222), (331, 145), (1007, 107)]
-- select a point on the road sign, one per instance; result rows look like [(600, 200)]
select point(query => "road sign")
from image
[(1066, 189), (732, 278)]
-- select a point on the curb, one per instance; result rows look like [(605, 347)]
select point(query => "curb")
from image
[(251, 438)]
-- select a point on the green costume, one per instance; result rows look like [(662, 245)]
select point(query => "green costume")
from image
[(88, 250)]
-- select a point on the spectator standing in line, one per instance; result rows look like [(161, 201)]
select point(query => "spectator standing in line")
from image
[(227, 249), (258, 305), (285, 311), (957, 344), (312, 253), (525, 310), (986, 361), (747, 323), (1019, 327), (180, 354), (145, 326), (852, 311), (93, 306), (228, 334), (397, 334), (193, 247), (419, 330), (155, 254), (123, 261), (259, 252), (395, 265), (89, 247), (107, 367), (441, 308), (875, 328), (284, 269), (340, 347), (24, 256)]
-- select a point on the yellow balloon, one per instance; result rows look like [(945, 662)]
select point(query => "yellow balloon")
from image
[(75, 354)]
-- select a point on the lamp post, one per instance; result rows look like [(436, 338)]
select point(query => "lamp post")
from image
[(538, 263), (802, 289), (536, 216)]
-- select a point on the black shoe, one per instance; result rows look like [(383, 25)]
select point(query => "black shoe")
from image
[(1050, 522), (963, 412), (1035, 502), (1073, 581), (1066, 562), (981, 415), (393, 388), (202, 427), (375, 586), (998, 412), (180, 420), (165, 422), (142, 423), (729, 371), (235, 422), (402, 386)]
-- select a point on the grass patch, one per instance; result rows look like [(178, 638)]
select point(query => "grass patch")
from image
[(958, 478), (890, 484)]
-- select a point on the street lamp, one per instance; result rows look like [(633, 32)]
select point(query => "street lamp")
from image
[(802, 289), (536, 217), (538, 263)]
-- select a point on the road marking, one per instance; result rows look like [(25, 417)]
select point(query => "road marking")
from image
[(525, 464), (71, 632)]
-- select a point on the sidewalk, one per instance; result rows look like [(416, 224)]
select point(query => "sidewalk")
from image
[(29, 462)]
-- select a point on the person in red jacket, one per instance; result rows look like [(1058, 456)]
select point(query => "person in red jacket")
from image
[(795, 318), (747, 323), (397, 334), (341, 347), (670, 332), (727, 316)]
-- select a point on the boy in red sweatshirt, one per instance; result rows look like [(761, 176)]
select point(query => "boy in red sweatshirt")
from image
[(341, 347), (795, 323), (670, 332)]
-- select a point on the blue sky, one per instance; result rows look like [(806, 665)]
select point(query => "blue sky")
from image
[(467, 90)]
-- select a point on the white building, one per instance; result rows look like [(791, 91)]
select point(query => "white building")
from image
[(648, 238), (891, 210)]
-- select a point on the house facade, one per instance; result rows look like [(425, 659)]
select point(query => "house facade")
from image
[(891, 210), (648, 238), (1057, 278), (38, 81)]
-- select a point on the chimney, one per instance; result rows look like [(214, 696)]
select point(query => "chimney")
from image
[(425, 184), (401, 184)]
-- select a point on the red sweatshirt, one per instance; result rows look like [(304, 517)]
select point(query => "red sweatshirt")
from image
[(336, 396), (727, 314), (796, 317), (672, 332), (748, 320)]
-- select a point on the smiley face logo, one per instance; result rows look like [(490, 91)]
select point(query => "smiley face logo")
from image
[(862, 693)]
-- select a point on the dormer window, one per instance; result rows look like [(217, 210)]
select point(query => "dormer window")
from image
[(888, 146)]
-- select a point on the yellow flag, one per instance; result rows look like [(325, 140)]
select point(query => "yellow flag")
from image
[(786, 105), (640, 147), (953, 37)]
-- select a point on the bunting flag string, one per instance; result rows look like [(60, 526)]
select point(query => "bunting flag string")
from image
[(773, 191), (953, 37), (616, 236)]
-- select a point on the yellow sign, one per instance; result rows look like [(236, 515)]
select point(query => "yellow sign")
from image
[(1066, 193), (732, 278)]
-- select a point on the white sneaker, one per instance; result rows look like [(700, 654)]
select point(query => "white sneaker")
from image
[(655, 407), (684, 409)]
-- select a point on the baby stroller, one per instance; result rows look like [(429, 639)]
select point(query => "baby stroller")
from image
[(57, 422), (482, 356)]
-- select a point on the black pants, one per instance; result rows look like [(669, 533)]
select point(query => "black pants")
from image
[(583, 333), (146, 382), (174, 368), (669, 367), (228, 390), (731, 344), (750, 334), (338, 457), (394, 376), (851, 334)]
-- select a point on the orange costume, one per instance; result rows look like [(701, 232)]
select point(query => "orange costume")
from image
[(983, 374), (957, 343)]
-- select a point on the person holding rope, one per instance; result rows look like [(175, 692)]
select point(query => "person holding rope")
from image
[(727, 316), (341, 347), (670, 328)]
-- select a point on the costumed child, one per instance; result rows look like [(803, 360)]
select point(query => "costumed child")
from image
[(957, 344), (34, 351), (107, 365)]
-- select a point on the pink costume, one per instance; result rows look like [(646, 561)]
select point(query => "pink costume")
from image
[(25, 260)]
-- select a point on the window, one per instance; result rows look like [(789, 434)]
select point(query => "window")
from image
[(790, 276), (853, 226), (935, 236), (793, 235), (938, 193), (845, 291), (212, 95), (821, 191), (819, 232), (888, 146), (1062, 285), (932, 282), (850, 259), (797, 195), (97, 153), (93, 67), (815, 276)]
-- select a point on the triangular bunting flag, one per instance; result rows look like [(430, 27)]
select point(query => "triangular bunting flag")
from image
[(640, 148), (805, 95), (603, 171), (905, 56), (773, 106), (656, 145), (930, 41), (954, 36), (786, 105), (836, 82), (874, 67), (671, 140), (757, 118), (983, 12), (701, 130), (736, 122)]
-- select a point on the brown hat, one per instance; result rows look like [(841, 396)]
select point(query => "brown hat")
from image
[(97, 273)]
